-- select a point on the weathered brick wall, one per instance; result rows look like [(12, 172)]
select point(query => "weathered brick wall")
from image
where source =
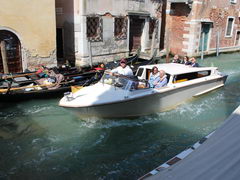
[(179, 15), (185, 25), (218, 12)]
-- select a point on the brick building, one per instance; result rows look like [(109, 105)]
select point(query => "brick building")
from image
[(196, 25)]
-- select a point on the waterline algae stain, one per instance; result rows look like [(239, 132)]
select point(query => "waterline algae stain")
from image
[(40, 140)]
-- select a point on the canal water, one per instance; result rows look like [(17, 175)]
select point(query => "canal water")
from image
[(39, 140)]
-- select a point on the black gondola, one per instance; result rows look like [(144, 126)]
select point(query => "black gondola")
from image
[(24, 86)]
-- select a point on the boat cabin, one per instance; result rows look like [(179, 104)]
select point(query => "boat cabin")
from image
[(176, 73)]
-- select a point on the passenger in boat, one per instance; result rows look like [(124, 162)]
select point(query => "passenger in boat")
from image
[(123, 69), (154, 77), (162, 81), (176, 59), (194, 62), (186, 60), (42, 71), (101, 67), (53, 79)]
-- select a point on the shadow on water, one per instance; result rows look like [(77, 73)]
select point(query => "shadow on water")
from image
[(16, 130)]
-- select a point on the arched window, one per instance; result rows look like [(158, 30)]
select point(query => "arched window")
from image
[(13, 51)]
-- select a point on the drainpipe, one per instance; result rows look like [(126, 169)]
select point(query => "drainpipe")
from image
[(4, 57)]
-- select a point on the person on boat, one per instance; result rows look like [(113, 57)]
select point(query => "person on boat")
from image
[(42, 71), (101, 67), (123, 69), (194, 62), (162, 81), (186, 61), (154, 77), (53, 79), (176, 59)]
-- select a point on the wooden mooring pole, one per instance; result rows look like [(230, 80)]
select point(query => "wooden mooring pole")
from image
[(217, 43), (4, 57)]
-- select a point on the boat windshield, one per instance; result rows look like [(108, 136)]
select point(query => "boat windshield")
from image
[(124, 82)]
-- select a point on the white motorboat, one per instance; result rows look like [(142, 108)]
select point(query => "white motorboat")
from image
[(128, 97)]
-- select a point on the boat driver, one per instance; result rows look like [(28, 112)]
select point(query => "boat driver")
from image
[(123, 69)]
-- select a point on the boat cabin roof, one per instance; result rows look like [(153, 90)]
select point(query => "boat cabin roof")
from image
[(175, 68)]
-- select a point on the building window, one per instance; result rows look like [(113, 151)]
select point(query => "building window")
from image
[(120, 28), (153, 25), (233, 1), (229, 29), (94, 28)]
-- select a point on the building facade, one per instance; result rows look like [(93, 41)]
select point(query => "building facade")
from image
[(28, 28), (92, 31), (196, 26)]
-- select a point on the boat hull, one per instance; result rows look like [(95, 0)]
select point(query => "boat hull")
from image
[(152, 103)]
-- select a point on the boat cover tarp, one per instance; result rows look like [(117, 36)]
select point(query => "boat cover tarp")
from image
[(218, 158)]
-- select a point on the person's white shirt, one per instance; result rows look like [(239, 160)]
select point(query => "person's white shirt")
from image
[(127, 71)]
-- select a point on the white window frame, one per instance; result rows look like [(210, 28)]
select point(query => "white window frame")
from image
[(233, 1), (227, 26), (235, 41)]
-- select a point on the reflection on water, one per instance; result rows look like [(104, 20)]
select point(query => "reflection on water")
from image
[(40, 140)]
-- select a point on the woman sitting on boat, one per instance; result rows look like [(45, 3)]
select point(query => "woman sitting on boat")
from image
[(154, 77), (186, 60)]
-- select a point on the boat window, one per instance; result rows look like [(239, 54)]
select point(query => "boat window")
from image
[(139, 72), (204, 73), (168, 77), (124, 82), (190, 76), (148, 73)]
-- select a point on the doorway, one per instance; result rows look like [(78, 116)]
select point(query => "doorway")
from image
[(136, 29), (60, 48), (204, 37), (13, 52)]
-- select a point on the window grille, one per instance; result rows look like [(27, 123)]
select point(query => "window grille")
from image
[(94, 28), (120, 28)]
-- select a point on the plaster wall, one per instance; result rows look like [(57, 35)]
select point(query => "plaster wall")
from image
[(34, 23), (110, 49)]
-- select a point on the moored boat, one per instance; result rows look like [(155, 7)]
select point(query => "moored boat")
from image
[(128, 97), (29, 85)]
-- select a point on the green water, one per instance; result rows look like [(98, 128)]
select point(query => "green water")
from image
[(39, 140)]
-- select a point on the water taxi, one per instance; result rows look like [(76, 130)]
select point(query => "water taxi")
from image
[(119, 96)]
